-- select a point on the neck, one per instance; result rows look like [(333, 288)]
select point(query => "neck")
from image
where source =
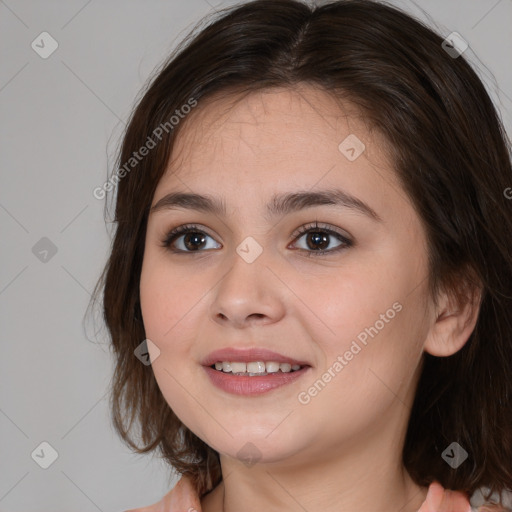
[(362, 476), (276, 491)]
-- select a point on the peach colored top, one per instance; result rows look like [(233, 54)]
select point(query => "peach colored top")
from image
[(183, 498)]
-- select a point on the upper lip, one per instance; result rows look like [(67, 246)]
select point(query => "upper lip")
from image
[(248, 355)]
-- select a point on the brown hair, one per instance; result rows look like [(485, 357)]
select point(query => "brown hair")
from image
[(451, 154)]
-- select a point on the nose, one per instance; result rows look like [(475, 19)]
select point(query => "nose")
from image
[(248, 294)]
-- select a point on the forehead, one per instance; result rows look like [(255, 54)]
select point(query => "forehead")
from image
[(271, 127)]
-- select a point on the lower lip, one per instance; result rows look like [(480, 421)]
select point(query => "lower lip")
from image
[(245, 385)]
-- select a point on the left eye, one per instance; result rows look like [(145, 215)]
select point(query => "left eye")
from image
[(193, 239), (317, 240)]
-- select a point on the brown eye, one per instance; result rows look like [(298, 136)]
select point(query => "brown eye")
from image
[(318, 239), (190, 239), (193, 239)]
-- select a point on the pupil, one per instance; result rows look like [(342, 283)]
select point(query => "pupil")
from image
[(319, 238), (196, 240), (195, 237)]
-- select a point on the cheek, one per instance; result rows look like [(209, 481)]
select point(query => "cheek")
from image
[(157, 304), (168, 303), (169, 298), (354, 298), (371, 319)]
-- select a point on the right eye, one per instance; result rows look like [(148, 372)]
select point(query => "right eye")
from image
[(193, 239)]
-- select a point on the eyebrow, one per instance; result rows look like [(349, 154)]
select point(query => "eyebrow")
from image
[(279, 205)]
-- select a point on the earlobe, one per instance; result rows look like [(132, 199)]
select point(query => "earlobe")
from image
[(452, 325)]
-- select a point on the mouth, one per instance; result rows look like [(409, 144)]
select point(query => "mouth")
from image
[(253, 383), (255, 368), (252, 371)]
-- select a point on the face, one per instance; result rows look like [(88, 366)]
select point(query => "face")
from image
[(254, 276)]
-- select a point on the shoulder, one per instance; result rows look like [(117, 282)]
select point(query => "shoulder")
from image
[(181, 498), (442, 500), (156, 507), (150, 508)]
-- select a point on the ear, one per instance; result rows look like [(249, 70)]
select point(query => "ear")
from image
[(454, 320)]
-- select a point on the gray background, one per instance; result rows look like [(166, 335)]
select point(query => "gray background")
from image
[(61, 120)]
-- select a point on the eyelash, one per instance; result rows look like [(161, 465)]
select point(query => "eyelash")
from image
[(313, 227)]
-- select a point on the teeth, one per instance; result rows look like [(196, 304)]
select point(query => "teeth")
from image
[(255, 367), (272, 367), (240, 367)]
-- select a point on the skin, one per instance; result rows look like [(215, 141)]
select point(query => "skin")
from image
[(342, 450)]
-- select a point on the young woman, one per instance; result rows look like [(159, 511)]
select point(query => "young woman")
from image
[(313, 250)]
